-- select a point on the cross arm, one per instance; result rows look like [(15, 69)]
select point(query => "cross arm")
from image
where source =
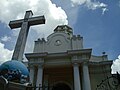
[(15, 23), (36, 20), (31, 21)]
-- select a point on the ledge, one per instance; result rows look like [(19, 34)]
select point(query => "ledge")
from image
[(69, 53)]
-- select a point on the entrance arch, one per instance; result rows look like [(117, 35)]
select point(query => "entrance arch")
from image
[(61, 86)]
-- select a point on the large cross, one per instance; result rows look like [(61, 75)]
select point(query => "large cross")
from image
[(25, 25)]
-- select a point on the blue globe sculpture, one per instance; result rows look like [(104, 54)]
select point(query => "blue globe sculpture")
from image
[(14, 71)]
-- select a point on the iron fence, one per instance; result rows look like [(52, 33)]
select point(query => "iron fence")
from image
[(110, 83)]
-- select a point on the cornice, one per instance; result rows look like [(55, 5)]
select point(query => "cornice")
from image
[(108, 62), (69, 53)]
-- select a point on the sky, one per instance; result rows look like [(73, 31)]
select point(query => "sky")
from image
[(97, 21)]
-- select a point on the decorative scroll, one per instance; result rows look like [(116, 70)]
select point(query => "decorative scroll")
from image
[(110, 83)]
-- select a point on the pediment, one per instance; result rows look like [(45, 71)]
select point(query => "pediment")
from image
[(58, 42)]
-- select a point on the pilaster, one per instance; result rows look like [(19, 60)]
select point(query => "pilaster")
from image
[(31, 67), (77, 84), (86, 78), (40, 73), (76, 73)]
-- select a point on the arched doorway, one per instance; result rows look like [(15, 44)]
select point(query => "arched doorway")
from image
[(61, 86)]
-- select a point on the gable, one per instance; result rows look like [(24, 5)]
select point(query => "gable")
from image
[(58, 42)]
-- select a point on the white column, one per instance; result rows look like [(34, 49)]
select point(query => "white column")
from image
[(31, 74), (86, 78), (39, 76), (77, 85)]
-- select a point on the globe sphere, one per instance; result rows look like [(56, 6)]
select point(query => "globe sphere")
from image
[(14, 71)]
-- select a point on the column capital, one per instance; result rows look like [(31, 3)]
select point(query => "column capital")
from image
[(40, 65), (86, 62), (75, 64), (40, 60), (75, 59), (31, 66)]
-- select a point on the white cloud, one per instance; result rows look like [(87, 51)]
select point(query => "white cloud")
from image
[(104, 10), (90, 4), (5, 38), (119, 3), (78, 2), (116, 66), (5, 54), (15, 9)]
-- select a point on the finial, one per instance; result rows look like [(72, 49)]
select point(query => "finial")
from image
[(103, 53)]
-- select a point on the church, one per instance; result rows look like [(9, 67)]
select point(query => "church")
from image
[(59, 62), (62, 63)]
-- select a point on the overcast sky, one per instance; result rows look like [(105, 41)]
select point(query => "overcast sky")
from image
[(98, 21)]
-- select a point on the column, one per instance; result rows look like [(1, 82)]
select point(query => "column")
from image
[(86, 78), (77, 85), (31, 73), (39, 76)]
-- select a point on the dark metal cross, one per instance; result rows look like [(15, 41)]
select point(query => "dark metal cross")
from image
[(25, 25)]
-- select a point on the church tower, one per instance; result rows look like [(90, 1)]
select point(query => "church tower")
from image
[(62, 63)]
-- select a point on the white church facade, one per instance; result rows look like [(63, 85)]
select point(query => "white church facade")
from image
[(62, 63)]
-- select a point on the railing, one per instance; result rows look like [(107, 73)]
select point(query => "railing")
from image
[(110, 83), (38, 87)]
